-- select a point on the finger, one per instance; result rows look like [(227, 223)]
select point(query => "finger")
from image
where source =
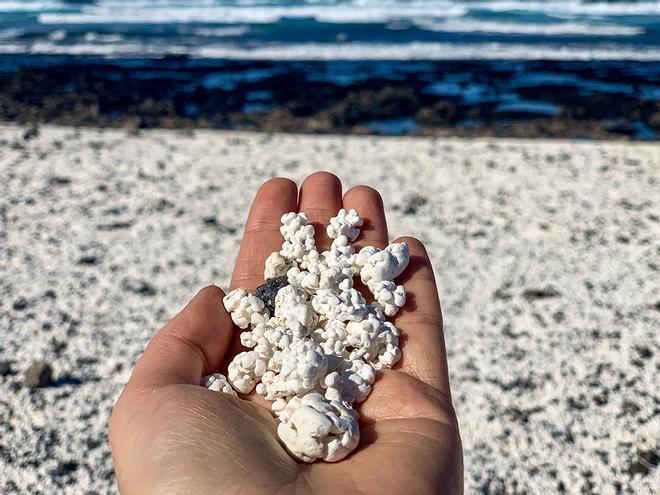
[(369, 205), (261, 237), (190, 346), (420, 321), (320, 198), (262, 234)]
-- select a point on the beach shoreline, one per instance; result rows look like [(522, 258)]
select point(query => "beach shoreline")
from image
[(545, 253)]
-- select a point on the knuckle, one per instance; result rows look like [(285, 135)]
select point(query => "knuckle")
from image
[(317, 215), (248, 279), (261, 226)]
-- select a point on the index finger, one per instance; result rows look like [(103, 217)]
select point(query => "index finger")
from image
[(261, 237), (262, 231), (422, 342)]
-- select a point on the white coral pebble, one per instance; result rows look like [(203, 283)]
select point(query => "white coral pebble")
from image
[(245, 369), (293, 309), (294, 371), (353, 384), (374, 340), (384, 265), (313, 427), (298, 236), (245, 308), (276, 266), (318, 353), (218, 383), (343, 306), (389, 296), (344, 224)]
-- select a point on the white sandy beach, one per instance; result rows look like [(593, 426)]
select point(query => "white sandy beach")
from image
[(547, 255)]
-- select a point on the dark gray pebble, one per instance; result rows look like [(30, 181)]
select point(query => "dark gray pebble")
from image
[(138, 287), (267, 292), (5, 368), (39, 374), (31, 132), (21, 303), (413, 203), (543, 293)]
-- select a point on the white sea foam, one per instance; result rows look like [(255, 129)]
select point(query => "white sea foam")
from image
[(347, 51), (572, 7), (11, 33), (427, 51), (103, 38), (564, 28), (30, 6), (145, 14), (57, 35), (217, 32)]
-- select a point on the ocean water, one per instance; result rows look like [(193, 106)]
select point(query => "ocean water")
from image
[(587, 59), (334, 29)]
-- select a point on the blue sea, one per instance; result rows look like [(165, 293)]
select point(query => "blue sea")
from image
[(334, 30), (583, 59)]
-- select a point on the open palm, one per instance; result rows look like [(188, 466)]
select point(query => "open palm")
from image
[(169, 435)]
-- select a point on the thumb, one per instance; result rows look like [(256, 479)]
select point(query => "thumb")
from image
[(190, 346)]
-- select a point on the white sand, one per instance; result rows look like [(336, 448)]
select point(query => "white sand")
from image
[(552, 394)]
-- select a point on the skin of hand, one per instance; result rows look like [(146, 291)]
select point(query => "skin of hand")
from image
[(170, 435)]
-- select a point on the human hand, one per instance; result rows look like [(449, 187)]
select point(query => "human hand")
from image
[(170, 435)]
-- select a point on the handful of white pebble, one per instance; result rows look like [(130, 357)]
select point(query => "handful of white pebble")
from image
[(315, 343)]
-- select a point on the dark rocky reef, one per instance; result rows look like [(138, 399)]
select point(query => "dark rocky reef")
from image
[(577, 100)]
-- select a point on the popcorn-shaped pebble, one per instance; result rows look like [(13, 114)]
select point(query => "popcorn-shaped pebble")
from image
[(218, 383), (293, 309), (281, 337), (388, 347), (246, 309), (266, 337), (341, 251), (352, 384), (344, 225), (310, 258), (313, 427), (331, 336), (361, 258), (296, 370), (276, 266), (319, 276), (298, 236), (374, 340), (384, 265), (245, 369), (343, 306), (389, 296), (342, 259)]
